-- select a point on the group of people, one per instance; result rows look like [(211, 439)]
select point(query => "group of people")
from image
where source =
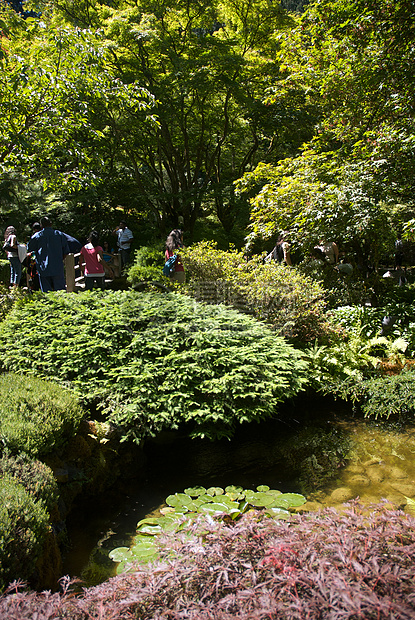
[(325, 253), (47, 249)]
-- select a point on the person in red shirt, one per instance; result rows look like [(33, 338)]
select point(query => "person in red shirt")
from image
[(174, 242), (92, 263)]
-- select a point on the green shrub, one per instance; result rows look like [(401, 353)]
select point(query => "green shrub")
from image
[(4, 271), (8, 298), (383, 396), (23, 528), (148, 265), (291, 302), (328, 366), (157, 362), (366, 323), (36, 477), (36, 417)]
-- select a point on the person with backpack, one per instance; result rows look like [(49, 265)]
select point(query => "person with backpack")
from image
[(174, 266), (10, 246)]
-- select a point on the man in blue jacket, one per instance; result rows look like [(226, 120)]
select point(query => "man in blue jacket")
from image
[(50, 247)]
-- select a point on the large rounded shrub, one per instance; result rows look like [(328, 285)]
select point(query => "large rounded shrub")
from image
[(156, 361), (36, 416)]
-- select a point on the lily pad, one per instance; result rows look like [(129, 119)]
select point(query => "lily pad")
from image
[(120, 554), (204, 498), (215, 491), (263, 488), (262, 500), (181, 510), (167, 510), (149, 530), (149, 521), (295, 499), (178, 499), (141, 554), (233, 496), (277, 513), (195, 491), (280, 503), (219, 507), (233, 489)]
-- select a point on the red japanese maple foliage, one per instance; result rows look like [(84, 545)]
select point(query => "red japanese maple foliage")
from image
[(359, 563)]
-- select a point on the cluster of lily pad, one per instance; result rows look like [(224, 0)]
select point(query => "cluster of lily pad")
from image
[(229, 503)]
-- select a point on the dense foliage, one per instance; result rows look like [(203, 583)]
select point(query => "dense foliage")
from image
[(291, 303), (24, 523), (147, 265), (155, 361), (353, 181), (36, 477), (316, 565), (29, 497), (203, 65), (383, 396), (36, 417)]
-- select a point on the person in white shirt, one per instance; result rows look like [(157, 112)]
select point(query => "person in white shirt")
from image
[(330, 251), (125, 237), (10, 247)]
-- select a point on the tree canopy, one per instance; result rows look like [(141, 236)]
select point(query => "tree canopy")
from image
[(354, 63), (156, 108)]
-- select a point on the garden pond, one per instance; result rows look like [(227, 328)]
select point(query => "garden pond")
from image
[(320, 449)]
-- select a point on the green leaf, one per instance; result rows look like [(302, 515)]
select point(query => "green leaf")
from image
[(215, 491), (293, 499), (120, 554), (195, 491)]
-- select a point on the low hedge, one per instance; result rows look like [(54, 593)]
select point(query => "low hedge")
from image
[(36, 416), (24, 524)]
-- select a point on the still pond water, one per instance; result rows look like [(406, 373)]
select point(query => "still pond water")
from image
[(321, 450)]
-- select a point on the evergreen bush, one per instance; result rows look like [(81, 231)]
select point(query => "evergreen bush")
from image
[(23, 528), (36, 478), (289, 301), (36, 416), (156, 362)]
